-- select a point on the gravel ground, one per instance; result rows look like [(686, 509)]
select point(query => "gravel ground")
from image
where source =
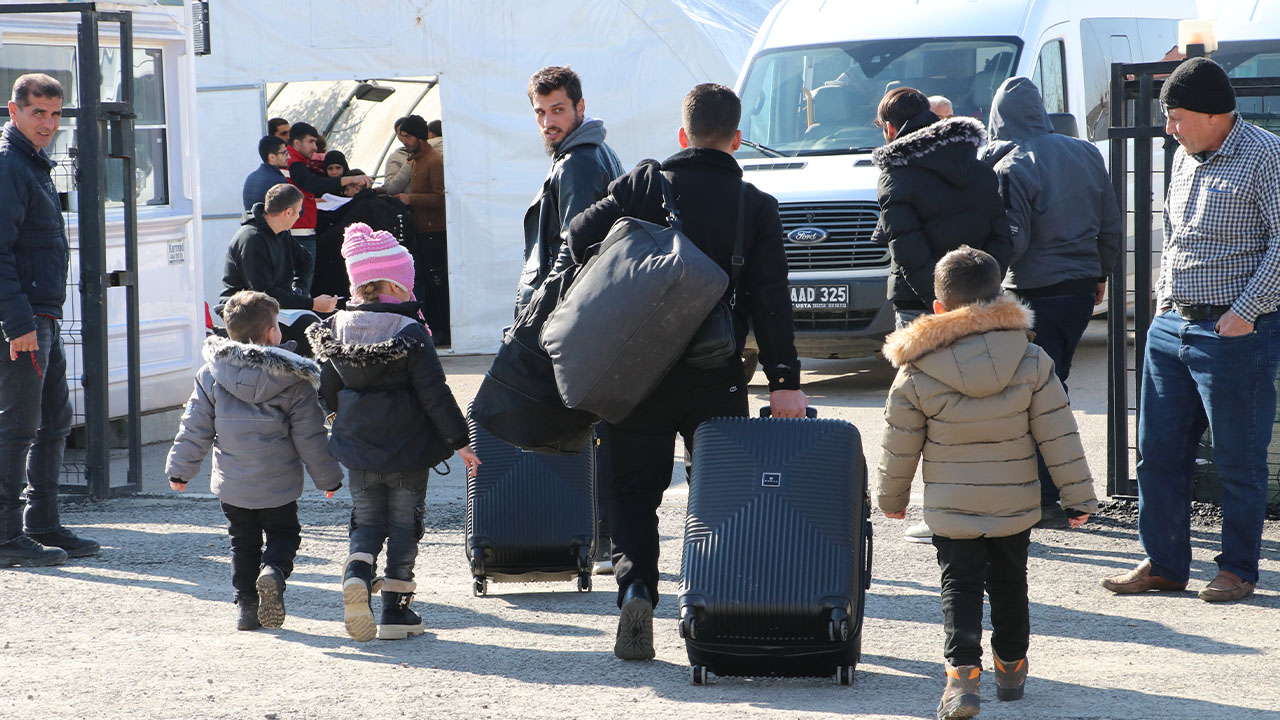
[(146, 630)]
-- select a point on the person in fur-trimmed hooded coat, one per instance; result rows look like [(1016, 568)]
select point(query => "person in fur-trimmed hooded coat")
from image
[(395, 419), (976, 398), (935, 195)]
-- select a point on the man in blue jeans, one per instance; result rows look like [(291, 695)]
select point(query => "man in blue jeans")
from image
[(35, 410), (1066, 228), (1214, 348)]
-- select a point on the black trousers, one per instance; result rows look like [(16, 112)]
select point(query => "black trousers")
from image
[(431, 283), (1000, 565), (642, 459), (247, 528)]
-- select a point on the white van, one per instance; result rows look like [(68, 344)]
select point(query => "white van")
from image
[(809, 92)]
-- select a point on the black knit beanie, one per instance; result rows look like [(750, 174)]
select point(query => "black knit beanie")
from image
[(416, 126), (1199, 85)]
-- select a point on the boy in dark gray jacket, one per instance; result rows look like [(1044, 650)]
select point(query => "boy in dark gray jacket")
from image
[(255, 404)]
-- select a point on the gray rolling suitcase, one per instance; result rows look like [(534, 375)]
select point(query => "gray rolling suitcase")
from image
[(531, 517), (777, 550)]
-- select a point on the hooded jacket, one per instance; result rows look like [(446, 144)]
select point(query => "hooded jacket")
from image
[(256, 407), (581, 170), (312, 185), (381, 375), (1059, 198), (261, 259), (34, 254), (976, 398), (934, 197)]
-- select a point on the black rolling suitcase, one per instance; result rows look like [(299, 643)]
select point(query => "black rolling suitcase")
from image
[(777, 549), (531, 517)]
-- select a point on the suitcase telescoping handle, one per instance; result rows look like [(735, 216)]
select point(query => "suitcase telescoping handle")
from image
[(809, 412)]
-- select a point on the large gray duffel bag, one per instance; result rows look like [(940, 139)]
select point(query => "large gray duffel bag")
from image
[(630, 314)]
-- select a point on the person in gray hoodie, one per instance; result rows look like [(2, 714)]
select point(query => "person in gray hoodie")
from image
[(256, 406), (1067, 231)]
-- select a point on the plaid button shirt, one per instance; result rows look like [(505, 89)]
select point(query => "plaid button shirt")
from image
[(1222, 226)]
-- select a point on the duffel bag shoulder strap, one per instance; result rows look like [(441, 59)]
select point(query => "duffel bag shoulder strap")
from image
[(669, 203), (737, 260)]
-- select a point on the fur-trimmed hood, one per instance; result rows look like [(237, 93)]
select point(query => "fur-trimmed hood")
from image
[(256, 373), (364, 337), (975, 349), (947, 147)]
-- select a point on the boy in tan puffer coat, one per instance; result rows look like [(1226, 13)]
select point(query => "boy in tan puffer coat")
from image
[(976, 398)]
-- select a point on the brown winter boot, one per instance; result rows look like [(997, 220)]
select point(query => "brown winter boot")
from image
[(960, 698), (1011, 678)]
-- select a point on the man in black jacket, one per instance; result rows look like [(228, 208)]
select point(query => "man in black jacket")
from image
[(707, 182), (263, 256), (582, 167), (935, 195), (35, 408)]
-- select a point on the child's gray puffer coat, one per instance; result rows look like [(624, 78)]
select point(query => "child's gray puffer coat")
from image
[(256, 406)]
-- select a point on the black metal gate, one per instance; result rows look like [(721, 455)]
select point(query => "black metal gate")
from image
[(104, 130), (1136, 125)]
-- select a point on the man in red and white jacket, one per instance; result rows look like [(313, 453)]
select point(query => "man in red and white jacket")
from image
[(302, 145)]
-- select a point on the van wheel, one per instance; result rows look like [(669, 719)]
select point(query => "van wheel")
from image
[(750, 363)]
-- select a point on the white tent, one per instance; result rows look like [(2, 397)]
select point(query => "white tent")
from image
[(637, 59)]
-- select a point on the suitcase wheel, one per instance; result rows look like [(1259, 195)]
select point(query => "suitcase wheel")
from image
[(688, 628), (844, 675), (838, 631), (698, 675), (480, 587), (584, 582)]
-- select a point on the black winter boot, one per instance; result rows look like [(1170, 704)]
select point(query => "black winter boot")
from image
[(22, 551), (248, 605), (270, 597), (74, 545), (357, 584), (398, 621)]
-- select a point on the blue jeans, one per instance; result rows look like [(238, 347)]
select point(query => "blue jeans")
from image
[(1059, 324), (1193, 377), (35, 419), (389, 507)]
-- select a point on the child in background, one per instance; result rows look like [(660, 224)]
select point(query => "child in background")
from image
[(255, 404), (976, 398), (396, 419)]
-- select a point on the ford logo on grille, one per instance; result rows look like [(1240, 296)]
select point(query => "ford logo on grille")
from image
[(807, 235)]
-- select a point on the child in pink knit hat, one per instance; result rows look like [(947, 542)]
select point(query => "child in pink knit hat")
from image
[(395, 420)]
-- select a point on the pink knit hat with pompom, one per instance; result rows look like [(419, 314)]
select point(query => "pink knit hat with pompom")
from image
[(374, 255)]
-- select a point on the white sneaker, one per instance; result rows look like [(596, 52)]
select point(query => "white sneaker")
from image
[(919, 533)]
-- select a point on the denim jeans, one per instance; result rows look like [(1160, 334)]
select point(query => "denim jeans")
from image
[(35, 419), (998, 565), (308, 243), (247, 526), (1192, 377), (389, 507), (1059, 324)]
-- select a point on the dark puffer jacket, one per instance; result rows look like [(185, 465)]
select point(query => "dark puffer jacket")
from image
[(935, 195), (33, 243), (381, 375), (581, 170)]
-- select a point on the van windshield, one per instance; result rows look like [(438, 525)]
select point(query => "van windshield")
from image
[(1254, 59), (822, 100)]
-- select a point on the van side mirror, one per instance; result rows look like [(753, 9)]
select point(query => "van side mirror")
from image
[(1065, 124)]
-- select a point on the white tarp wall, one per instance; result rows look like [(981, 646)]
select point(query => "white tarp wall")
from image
[(637, 59)]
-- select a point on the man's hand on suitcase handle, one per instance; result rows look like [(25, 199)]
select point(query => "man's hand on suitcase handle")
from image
[(788, 403)]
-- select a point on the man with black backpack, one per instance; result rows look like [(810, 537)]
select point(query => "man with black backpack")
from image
[(707, 186)]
